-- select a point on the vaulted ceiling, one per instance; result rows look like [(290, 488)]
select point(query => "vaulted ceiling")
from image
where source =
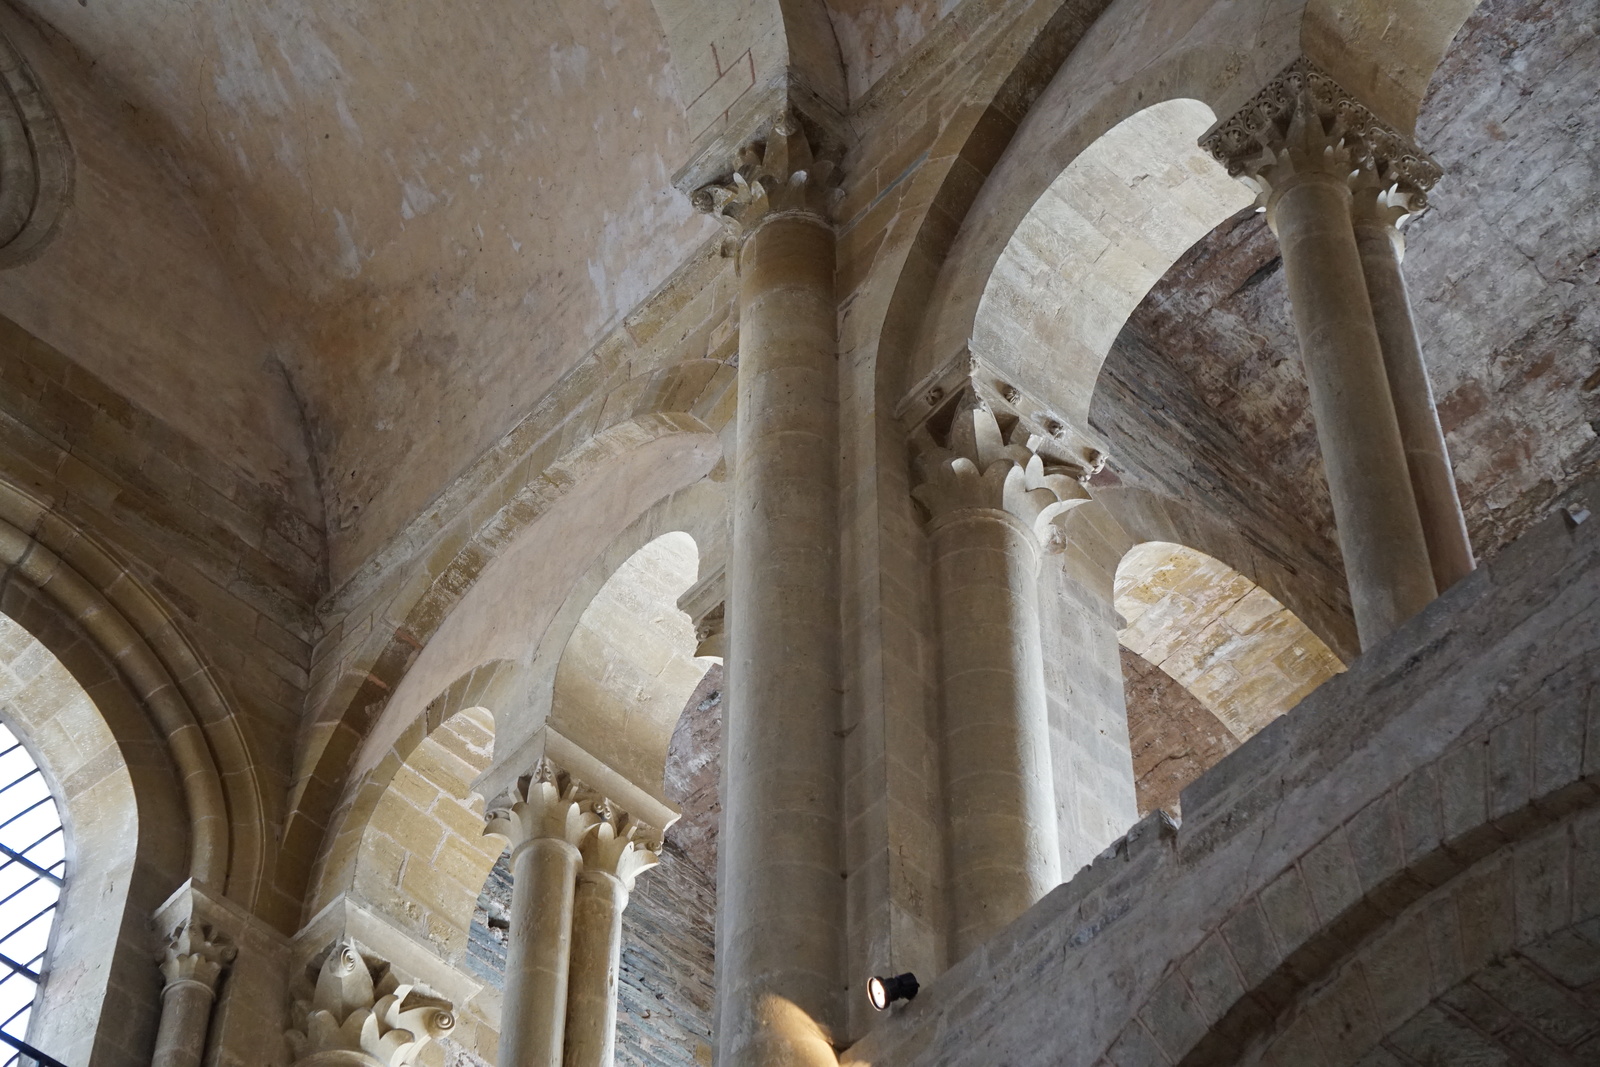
[(409, 218)]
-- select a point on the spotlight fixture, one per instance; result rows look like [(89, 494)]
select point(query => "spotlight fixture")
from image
[(882, 992)]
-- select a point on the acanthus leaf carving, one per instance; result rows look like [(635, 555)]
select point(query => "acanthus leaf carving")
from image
[(548, 803), (976, 467), (1304, 120), (620, 845), (779, 175), (195, 952), (354, 1010)]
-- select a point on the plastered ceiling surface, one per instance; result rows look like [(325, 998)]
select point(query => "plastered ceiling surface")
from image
[(874, 35), (436, 208)]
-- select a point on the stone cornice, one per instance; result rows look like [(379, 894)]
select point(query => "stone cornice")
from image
[(1304, 120)]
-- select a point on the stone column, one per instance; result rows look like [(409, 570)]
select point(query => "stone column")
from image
[(1381, 205), (616, 851), (192, 964), (990, 503), (350, 1010), (781, 897), (545, 821), (1299, 143)]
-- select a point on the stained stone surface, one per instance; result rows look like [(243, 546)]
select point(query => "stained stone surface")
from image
[(694, 773), (1205, 386), (665, 992), (1428, 817), (1173, 737), (1242, 654)]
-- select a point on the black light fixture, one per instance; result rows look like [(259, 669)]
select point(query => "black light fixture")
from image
[(882, 992)]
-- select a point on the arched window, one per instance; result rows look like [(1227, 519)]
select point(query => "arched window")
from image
[(33, 867)]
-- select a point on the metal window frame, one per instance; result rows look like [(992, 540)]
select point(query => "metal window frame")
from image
[(32, 970)]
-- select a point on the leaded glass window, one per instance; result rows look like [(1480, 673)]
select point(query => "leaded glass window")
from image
[(33, 867)]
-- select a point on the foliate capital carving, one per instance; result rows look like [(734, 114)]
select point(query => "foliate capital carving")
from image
[(548, 803), (1384, 206), (195, 952), (780, 175), (974, 466), (620, 845), (352, 1007), (1304, 121)]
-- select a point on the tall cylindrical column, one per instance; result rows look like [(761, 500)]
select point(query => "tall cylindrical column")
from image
[(544, 873), (192, 965), (1004, 852), (1380, 535), (613, 858), (988, 501), (781, 904), (545, 822), (1433, 483), (1299, 142), (596, 962)]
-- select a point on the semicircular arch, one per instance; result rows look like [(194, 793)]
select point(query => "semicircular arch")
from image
[(117, 856), (148, 678), (491, 599)]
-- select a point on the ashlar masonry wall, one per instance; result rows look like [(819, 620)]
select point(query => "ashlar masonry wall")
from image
[(1453, 771)]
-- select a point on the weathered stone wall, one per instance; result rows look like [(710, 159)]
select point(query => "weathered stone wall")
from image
[(665, 988), (136, 290), (1203, 393), (1436, 761), (1173, 736), (1164, 436)]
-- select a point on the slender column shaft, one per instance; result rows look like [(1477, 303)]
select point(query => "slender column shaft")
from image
[(1004, 852), (1380, 534), (596, 963), (782, 897), (185, 1021), (193, 962), (1433, 483), (544, 871)]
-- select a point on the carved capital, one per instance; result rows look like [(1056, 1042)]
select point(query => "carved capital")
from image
[(1305, 122), (974, 466), (781, 175), (1385, 208), (196, 953), (351, 1006), (620, 845), (549, 803)]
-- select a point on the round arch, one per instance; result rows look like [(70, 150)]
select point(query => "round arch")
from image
[(1120, 517), (1209, 659), (133, 658), (1092, 245), (629, 665), (473, 604), (1134, 56), (98, 945)]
